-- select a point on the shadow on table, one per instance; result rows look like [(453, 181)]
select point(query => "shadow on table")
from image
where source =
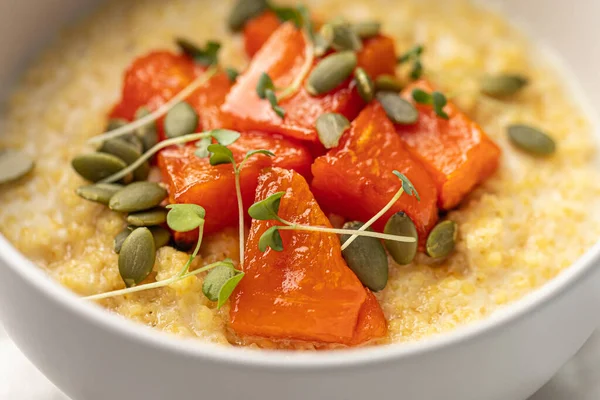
[(578, 379)]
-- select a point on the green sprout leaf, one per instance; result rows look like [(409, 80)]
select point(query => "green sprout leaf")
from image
[(207, 56), (417, 70), (407, 185), (288, 14), (202, 146), (266, 209), (228, 288), (274, 105), (435, 99), (439, 102), (422, 97), (412, 54), (220, 282), (264, 83), (185, 217), (216, 278), (271, 238), (232, 74), (225, 136), (220, 154), (260, 151)]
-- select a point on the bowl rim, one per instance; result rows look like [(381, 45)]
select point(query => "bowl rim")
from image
[(276, 360)]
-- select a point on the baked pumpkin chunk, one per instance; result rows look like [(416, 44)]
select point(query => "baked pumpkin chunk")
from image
[(193, 180), (153, 79), (305, 292), (356, 180), (282, 57), (456, 152)]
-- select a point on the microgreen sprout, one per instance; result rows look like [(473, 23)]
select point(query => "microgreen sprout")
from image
[(232, 74), (300, 16), (436, 99), (413, 55), (265, 89), (220, 154), (220, 282), (184, 218), (268, 210), (161, 111), (223, 136), (207, 56)]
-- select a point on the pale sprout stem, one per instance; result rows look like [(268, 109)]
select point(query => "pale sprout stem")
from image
[(238, 193), (162, 110), (306, 67), (375, 218), (186, 267), (296, 227), (155, 149), (154, 285)]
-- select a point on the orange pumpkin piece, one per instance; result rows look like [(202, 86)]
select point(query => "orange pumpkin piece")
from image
[(371, 321), (305, 292), (193, 180), (154, 79), (456, 152), (282, 57), (207, 101), (258, 30), (378, 56), (355, 179)]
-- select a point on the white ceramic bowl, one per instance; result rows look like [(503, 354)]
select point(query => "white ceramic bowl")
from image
[(93, 355)]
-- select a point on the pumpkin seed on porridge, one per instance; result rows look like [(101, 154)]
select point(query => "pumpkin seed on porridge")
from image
[(218, 193)]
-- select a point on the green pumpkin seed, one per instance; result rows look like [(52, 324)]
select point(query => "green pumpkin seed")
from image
[(330, 128), (502, 85), (364, 85), (401, 225), (14, 165), (366, 257), (345, 38), (214, 281), (135, 141), (531, 140), (330, 72), (397, 109), (243, 11), (127, 152), (120, 238), (161, 236), (442, 239), (97, 166), (138, 196), (181, 120), (99, 192), (137, 256), (148, 134), (155, 216), (366, 29), (324, 39), (115, 123), (388, 83)]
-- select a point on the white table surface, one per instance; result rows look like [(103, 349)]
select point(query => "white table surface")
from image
[(578, 380)]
